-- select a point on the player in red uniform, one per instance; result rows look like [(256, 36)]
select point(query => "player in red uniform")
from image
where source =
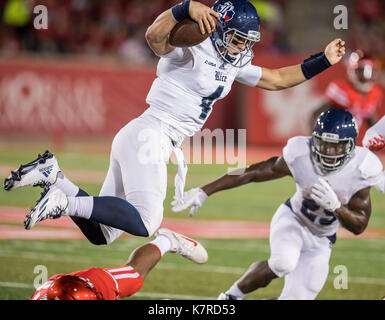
[(358, 94), (118, 283)]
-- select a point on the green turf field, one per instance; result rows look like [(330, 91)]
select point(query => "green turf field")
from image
[(228, 259), (178, 278)]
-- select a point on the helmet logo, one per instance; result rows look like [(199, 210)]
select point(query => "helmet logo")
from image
[(226, 11), (330, 137)]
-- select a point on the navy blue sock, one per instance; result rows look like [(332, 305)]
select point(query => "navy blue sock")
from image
[(82, 193), (120, 214), (91, 229)]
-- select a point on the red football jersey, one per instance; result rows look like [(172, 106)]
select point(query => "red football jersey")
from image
[(112, 283), (342, 94)]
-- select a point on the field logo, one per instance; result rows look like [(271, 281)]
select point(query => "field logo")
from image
[(42, 275), (341, 280), (226, 11), (341, 20)]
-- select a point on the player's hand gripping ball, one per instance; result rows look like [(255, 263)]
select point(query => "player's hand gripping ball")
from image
[(192, 31)]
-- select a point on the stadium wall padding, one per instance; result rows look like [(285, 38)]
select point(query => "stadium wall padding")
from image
[(68, 98)]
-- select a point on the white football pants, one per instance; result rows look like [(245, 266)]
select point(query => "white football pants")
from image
[(138, 170), (298, 255)]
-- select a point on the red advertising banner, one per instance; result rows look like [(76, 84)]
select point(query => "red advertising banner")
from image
[(271, 117), (73, 99)]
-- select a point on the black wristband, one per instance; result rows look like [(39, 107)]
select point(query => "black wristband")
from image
[(315, 65), (181, 10)]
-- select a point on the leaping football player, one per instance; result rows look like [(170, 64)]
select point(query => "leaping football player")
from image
[(333, 179), (180, 101)]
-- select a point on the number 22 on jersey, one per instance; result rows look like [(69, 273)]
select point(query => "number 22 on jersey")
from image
[(309, 206)]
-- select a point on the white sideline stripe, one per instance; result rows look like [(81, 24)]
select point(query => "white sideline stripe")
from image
[(139, 294), (161, 265), (171, 296), (361, 280), (173, 266), (16, 285), (181, 296)]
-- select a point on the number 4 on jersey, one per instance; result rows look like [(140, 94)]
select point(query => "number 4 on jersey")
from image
[(208, 101)]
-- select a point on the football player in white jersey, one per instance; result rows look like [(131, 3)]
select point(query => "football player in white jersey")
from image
[(189, 81), (374, 138), (333, 179)]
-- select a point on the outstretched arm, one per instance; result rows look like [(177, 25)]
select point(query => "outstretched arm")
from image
[(270, 169), (282, 78)]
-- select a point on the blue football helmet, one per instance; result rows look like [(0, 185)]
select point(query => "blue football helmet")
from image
[(238, 20), (334, 139)]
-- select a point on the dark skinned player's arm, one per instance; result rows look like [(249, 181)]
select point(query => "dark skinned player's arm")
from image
[(273, 168), (355, 215)]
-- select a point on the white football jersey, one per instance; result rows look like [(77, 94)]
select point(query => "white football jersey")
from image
[(189, 81), (363, 169)]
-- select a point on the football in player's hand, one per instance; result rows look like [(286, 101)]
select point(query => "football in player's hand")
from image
[(186, 33)]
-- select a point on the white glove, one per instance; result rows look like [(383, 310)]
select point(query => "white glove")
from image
[(193, 198), (323, 194)]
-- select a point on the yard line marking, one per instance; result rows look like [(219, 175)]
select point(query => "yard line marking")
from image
[(16, 285), (171, 296), (174, 266), (160, 295), (363, 280)]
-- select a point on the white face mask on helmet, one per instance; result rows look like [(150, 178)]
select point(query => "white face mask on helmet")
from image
[(333, 139), (237, 31)]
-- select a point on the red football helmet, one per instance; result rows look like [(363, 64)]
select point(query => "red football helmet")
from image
[(72, 288), (362, 71)]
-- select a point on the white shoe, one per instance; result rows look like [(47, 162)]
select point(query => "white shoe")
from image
[(52, 204), (40, 172), (225, 296), (185, 246)]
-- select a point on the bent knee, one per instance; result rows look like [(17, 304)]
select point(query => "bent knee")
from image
[(282, 265), (152, 216), (152, 224)]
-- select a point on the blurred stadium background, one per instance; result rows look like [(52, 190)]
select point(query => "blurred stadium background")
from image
[(71, 87)]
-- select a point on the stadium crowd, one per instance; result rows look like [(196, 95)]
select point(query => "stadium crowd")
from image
[(100, 27), (116, 28)]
